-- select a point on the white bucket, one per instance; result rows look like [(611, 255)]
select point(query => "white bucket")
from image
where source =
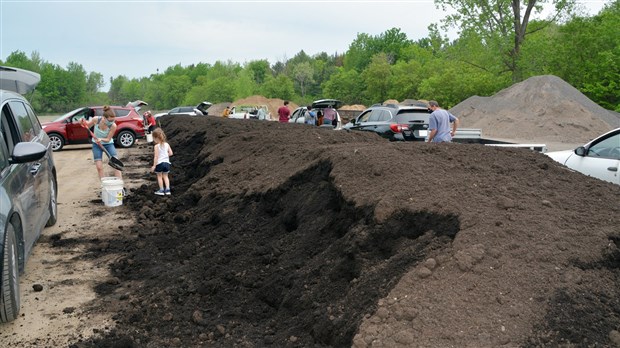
[(149, 137), (112, 191)]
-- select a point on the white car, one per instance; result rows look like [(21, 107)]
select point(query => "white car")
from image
[(199, 110), (600, 158), (245, 112)]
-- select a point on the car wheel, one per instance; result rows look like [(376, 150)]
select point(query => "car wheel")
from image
[(53, 206), (9, 291), (125, 138), (57, 141)]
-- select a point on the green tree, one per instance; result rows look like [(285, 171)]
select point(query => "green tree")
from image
[(278, 87), (244, 84), (406, 78), (303, 74), (19, 59), (219, 90), (501, 24), (260, 69), (346, 85), (377, 78)]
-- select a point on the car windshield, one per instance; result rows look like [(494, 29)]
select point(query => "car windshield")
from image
[(67, 114)]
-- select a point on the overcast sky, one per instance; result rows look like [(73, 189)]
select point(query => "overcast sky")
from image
[(135, 38)]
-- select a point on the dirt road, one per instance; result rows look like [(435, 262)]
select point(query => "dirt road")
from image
[(54, 315)]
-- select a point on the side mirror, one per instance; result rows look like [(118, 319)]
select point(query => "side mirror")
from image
[(25, 152), (580, 151)]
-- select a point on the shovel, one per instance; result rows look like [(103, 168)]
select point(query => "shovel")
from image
[(113, 162)]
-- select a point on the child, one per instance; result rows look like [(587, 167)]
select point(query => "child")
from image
[(161, 161)]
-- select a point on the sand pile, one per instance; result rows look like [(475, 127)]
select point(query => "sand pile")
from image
[(541, 109)]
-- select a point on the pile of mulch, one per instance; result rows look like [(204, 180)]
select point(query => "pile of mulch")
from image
[(287, 235)]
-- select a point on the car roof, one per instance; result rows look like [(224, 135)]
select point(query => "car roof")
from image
[(18, 80), (399, 107), (323, 103)]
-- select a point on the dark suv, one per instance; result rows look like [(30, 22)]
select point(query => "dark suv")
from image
[(67, 129), (394, 122), (28, 186)]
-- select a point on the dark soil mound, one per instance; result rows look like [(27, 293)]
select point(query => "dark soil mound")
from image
[(287, 235)]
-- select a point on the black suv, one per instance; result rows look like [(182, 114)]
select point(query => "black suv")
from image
[(394, 122)]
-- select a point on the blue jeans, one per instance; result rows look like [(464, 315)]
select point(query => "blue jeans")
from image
[(98, 152)]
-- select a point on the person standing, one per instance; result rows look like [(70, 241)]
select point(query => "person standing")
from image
[(161, 161), (284, 113), (226, 112), (150, 121), (261, 113), (104, 131), (310, 116), (439, 124)]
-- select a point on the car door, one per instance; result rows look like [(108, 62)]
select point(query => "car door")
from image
[(378, 122), (75, 132), (360, 121), (174, 111), (602, 159), (27, 181), (298, 115)]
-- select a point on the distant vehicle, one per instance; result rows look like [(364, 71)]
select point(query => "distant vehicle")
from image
[(600, 158), (328, 106), (28, 186), (393, 122), (199, 110), (67, 130), (246, 112)]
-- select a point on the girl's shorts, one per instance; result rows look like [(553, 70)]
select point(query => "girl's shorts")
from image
[(163, 167)]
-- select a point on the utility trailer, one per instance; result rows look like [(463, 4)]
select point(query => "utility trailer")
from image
[(474, 136)]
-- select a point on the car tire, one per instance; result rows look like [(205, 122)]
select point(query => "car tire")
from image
[(125, 139), (9, 291), (57, 141), (53, 205)]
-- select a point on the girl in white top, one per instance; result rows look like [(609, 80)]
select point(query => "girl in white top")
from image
[(161, 161)]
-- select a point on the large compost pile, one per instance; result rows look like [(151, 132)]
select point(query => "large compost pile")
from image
[(288, 235)]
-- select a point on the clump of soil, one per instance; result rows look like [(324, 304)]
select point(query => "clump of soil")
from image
[(288, 235), (541, 107)]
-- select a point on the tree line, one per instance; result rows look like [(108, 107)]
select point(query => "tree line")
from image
[(498, 44)]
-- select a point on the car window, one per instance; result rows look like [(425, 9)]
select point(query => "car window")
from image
[(296, 114), (379, 116), (24, 123), (385, 115), (8, 129), (174, 111), (364, 117), (187, 109), (77, 117), (4, 156), (99, 112), (407, 116), (121, 112), (374, 116), (606, 148), (36, 125)]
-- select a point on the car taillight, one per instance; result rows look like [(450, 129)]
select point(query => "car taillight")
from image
[(398, 128)]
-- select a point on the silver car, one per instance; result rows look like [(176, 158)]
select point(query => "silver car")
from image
[(28, 185)]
